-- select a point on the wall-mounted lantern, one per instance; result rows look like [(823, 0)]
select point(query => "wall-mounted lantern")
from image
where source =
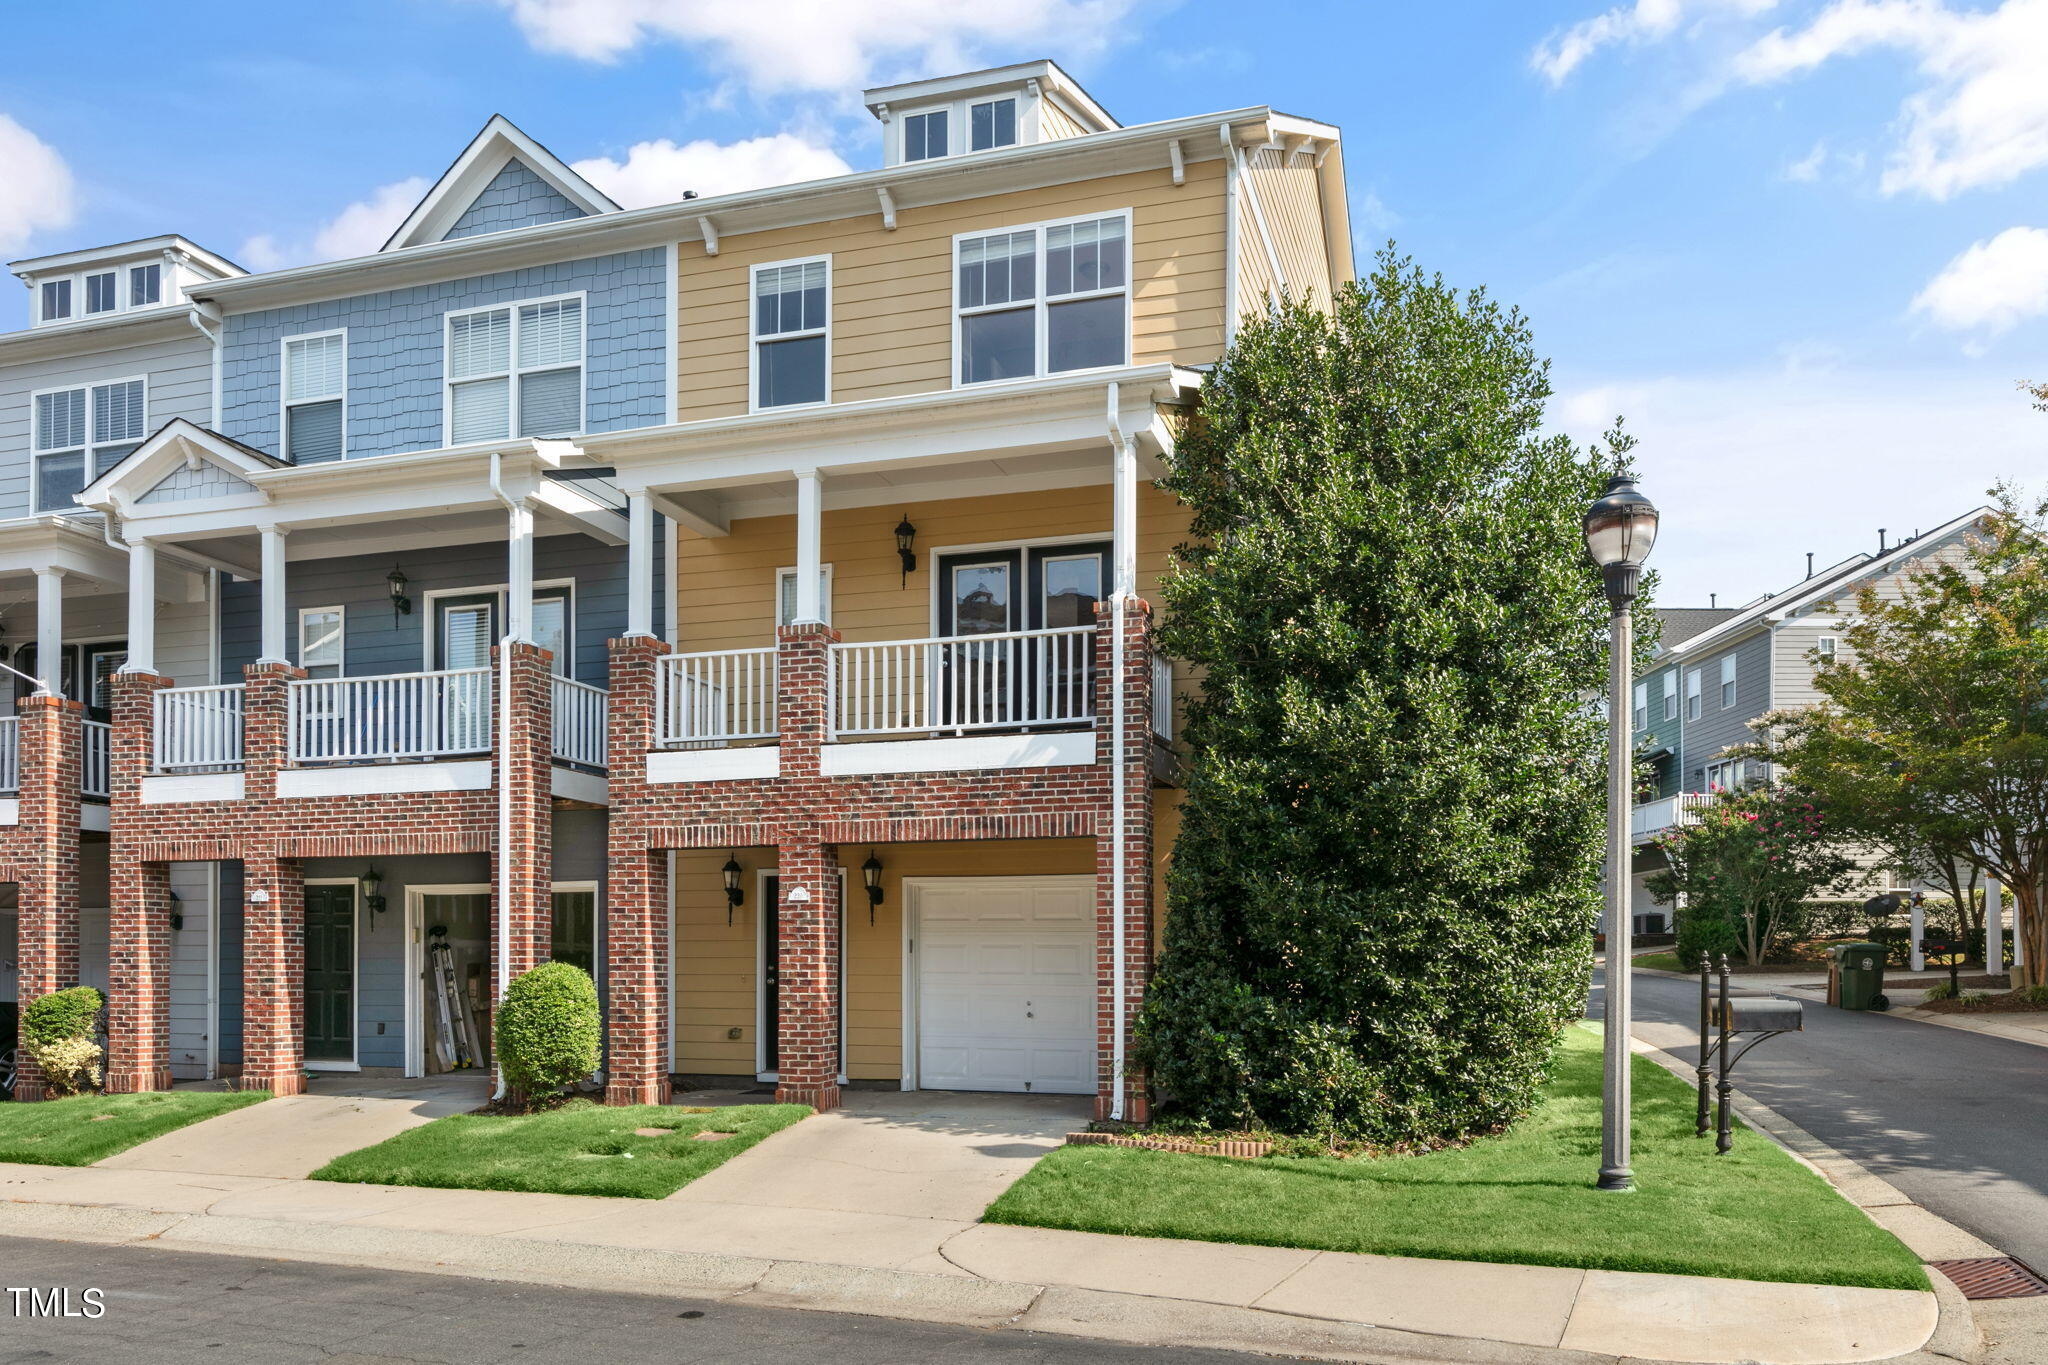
[(177, 912), (906, 538), (373, 890), (871, 873), (734, 895), (401, 605)]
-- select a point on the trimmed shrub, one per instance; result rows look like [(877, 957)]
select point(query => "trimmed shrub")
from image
[(57, 1033), (548, 1029)]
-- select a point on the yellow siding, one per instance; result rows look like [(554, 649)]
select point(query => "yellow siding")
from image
[(725, 585), (892, 292), (1055, 122), (1290, 197)]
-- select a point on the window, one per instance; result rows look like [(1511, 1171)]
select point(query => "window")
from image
[(785, 595), (56, 300), (1671, 696), (1011, 328), (991, 123), (1642, 706), (924, 135), (1730, 774), (791, 337), (145, 285), (1692, 694), (100, 294), (1728, 682), (1825, 647), (515, 371), (315, 378), (104, 422), (320, 641)]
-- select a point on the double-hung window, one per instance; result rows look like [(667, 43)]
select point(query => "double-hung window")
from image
[(1671, 695), (1043, 300), (924, 135), (1642, 707), (320, 641), (992, 123), (79, 434), (145, 285), (1825, 647), (56, 300), (515, 370), (1692, 694), (792, 341), (315, 379), (1730, 774), (1728, 682), (101, 292)]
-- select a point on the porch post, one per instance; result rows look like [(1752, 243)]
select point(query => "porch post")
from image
[(1994, 925), (47, 870), (809, 556), (273, 975), (639, 564), (636, 938), (141, 608), (273, 596), (139, 975), (519, 579), (1123, 521), (808, 962), (50, 629)]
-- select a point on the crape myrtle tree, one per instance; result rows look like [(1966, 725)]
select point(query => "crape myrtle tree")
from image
[(1746, 865), (1388, 864)]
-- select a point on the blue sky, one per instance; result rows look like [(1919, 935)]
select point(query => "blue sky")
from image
[(1801, 244)]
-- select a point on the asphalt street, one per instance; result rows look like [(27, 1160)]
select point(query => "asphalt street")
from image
[(1957, 1120), (170, 1307)]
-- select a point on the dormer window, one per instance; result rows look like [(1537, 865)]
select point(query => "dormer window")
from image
[(56, 300), (145, 285), (992, 123), (100, 294), (982, 111), (924, 135)]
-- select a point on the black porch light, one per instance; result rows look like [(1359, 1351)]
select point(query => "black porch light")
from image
[(734, 896), (401, 605), (906, 537), (871, 873), (373, 890)]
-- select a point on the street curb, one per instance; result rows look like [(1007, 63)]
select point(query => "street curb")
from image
[(1956, 1336)]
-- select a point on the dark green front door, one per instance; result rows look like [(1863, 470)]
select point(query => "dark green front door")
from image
[(331, 973)]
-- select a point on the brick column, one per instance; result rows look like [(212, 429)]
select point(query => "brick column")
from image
[(637, 949), (266, 739), (527, 717), (1135, 890), (809, 967), (139, 972), (46, 841), (273, 975), (802, 689)]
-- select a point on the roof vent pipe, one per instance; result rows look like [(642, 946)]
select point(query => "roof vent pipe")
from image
[(1809, 563), (1710, 600), (1880, 540)]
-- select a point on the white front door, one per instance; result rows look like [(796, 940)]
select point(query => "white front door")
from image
[(1005, 978)]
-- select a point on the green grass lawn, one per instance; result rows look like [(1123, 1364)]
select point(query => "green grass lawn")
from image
[(583, 1148), (82, 1129), (1660, 962), (1526, 1197)]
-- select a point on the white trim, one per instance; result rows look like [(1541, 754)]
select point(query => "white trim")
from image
[(89, 452), (715, 765), (124, 286), (180, 788), (672, 327), (959, 112), (472, 172), (341, 640), (675, 949), (824, 592), (430, 635), (515, 371), (959, 753), (1041, 302), (755, 340), (355, 978), (384, 779), (285, 402), (1022, 547), (416, 964)]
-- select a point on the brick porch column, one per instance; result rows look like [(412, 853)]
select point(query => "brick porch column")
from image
[(803, 659), (273, 975), (527, 716), (139, 901), (1134, 893), (809, 927), (637, 951), (46, 837), (266, 740)]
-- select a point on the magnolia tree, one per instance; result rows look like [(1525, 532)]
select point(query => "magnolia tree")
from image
[(1746, 865)]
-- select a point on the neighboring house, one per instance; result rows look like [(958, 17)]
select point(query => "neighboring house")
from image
[(743, 596), (1717, 670)]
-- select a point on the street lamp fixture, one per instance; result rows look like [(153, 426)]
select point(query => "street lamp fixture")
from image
[(1620, 529)]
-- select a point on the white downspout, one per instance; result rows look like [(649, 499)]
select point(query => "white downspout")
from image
[(1119, 447), (504, 863)]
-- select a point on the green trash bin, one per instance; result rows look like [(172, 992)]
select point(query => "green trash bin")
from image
[(1859, 976)]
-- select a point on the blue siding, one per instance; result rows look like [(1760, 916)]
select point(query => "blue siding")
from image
[(515, 198), (376, 640), (395, 342)]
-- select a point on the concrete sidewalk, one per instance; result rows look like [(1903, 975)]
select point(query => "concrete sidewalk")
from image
[(874, 1210)]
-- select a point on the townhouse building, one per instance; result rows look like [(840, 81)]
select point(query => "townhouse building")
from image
[(744, 597), (1718, 670)]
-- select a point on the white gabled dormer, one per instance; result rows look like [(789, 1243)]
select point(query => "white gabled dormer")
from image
[(502, 181), (982, 111), (109, 281)]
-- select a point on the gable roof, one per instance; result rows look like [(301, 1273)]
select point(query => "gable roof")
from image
[(1682, 623), (483, 161), (178, 443)]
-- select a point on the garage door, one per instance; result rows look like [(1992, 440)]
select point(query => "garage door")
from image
[(1006, 984)]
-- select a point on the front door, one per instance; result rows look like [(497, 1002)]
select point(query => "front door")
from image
[(771, 974), (993, 678), (331, 973)]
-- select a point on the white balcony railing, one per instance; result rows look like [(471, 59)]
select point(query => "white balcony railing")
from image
[(97, 779), (1162, 698), (1652, 818), (579, 722), (1015, 679), (10, 755), (716, 698), (199, 729), (401, 715)]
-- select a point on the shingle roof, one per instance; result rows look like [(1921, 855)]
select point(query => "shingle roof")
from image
[(1682, 623)]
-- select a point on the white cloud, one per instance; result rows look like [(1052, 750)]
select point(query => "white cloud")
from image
[(35, 187), (1642, 22), (820, 45), (1807, 168), (658, 172), (357, 230), (1993, 286), (1880, 446)]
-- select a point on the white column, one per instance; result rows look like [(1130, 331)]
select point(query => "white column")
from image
[(50, 629), (1994, 924), (1123, 521), (519, 596), (141, 608), (639, 563), (1917, 927), (273, 597), (810, 531)]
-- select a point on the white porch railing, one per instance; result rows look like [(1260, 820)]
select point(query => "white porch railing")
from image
[(97, 739), (1014, 679), (1162, 698), (400, 715), (579, 722), (1651, 818), (199, 729), (10, 754), (717, 697)]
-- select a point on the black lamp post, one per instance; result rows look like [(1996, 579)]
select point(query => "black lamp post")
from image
[(734, 896), (1620, 529), (906, 537), (871, 873)]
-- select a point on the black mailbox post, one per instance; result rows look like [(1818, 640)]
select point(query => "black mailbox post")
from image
[(1724, 1016)]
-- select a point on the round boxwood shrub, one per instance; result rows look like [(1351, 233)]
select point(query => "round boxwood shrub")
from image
[(57, 1033), (548, 1029)]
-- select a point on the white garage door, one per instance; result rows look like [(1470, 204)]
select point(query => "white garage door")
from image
[(1006, 984)]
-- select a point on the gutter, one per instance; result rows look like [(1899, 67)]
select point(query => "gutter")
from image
[(1119, 444), (503, 928)]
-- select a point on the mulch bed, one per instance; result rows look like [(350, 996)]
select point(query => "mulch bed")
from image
[(1997, 1004)]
